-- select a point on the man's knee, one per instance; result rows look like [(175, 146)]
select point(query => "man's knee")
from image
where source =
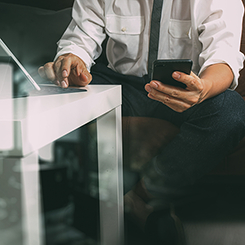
[(233, 113)]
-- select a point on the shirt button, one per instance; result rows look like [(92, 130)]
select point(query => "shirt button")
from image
[(123, 29)]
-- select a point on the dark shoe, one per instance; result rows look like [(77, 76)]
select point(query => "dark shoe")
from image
[(163, 227)]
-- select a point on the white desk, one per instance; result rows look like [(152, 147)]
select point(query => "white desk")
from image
[(38, 121)]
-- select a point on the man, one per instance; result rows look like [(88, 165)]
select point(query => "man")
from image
[(209, 113)]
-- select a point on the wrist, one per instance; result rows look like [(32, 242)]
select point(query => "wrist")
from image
[(207, 87), (215, 79)]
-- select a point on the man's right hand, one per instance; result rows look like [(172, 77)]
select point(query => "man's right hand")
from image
[(67, 70)]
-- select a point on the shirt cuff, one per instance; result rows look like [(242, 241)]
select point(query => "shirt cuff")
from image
[(236, 64), (76, 50)]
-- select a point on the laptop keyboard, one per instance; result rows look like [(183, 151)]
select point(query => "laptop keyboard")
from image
[(48, 90)]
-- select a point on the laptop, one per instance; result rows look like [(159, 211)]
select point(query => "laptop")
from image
[(16, 82)]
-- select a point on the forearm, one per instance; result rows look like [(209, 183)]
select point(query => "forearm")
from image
[(216, 79), (85, 34)]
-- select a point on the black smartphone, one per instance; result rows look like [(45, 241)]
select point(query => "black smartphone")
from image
[(162, 70)]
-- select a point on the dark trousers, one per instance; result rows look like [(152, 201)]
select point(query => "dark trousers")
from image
[(208, 131)]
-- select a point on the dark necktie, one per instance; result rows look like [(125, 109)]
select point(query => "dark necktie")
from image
[(154, 33)]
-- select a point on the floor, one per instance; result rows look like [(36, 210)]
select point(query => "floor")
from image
[(218, 219), (215, 216)]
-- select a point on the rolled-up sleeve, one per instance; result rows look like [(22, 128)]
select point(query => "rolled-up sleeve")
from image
[(85, 33), (220, 35)]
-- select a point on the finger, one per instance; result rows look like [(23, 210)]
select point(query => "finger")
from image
[(78, 78), (173, 103), (82, 70), (173, 91), (48, 71), (41, 72), (86, 79), (74, 71), (79, 75), (62, 69), (157, 88), (191, 81), (65, 68)]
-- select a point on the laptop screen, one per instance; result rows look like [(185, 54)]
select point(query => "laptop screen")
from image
[(16, 82), (14, 76)]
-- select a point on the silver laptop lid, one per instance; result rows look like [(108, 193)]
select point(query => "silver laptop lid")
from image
[(8, 64), (16, 82)]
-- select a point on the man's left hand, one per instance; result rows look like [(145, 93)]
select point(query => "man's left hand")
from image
[(176, 98)]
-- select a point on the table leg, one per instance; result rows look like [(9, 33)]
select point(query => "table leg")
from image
[(20, 192), (109, 133)]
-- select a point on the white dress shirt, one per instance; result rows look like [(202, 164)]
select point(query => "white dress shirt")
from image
[(206, 31)]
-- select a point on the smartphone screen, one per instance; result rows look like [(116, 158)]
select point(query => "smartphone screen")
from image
[(163, 69)]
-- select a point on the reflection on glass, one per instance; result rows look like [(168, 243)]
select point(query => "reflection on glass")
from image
[(20, 76), (15, 80), (21, 81), (10, 204)]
